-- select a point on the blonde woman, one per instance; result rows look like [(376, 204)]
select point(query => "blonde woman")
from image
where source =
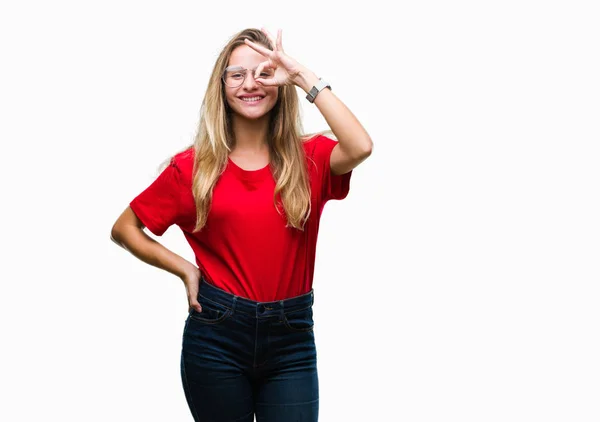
[(248, 195)]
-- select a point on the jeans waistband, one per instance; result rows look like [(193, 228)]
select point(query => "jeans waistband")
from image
[(245, 305)]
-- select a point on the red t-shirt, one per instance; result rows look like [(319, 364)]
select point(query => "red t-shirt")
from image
[(245, 248)]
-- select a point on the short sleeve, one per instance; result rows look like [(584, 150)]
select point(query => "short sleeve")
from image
[(158, 205), (334, 186)]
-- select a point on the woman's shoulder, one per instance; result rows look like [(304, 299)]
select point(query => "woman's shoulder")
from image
[(184, 157), (183, 161), (315, 141), (316, 138), (318, 145)]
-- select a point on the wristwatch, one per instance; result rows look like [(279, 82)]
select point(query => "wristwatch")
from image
[(320, 86)]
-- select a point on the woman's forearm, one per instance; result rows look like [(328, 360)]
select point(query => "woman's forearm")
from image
[(142, 246)]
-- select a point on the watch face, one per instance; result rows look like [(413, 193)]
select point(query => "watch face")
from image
[(319, 86)]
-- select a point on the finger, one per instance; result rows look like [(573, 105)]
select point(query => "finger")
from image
[(279, 45), (193, 299), (268, 82), (196, 305), (270, 37), (268, 64), (260, 68), (262, 50)]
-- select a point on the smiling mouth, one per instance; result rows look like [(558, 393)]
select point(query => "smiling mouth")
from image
[(252, 100)]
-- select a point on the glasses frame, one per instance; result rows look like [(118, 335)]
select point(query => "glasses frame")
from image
[(240, 68)]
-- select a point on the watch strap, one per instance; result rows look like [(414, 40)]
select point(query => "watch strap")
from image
[(319, 86)]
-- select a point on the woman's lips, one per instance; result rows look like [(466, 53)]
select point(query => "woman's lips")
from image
[(256, 101)]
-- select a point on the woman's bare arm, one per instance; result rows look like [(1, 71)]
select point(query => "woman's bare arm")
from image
[(128, 232)]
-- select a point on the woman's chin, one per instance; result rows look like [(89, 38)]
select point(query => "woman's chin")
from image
[(251, 114)]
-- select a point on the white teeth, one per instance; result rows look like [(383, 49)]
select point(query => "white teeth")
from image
[(251, 99)]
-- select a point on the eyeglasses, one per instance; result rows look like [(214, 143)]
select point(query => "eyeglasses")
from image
[(234, 76)]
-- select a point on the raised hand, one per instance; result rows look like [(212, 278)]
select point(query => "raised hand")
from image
[(286, 69)]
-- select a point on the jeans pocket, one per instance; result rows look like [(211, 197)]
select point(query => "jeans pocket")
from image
[(299, 320), (212, 312)]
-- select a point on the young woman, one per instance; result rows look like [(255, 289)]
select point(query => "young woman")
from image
[(248, 196)]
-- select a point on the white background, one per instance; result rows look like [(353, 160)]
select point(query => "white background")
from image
[(458, 281)]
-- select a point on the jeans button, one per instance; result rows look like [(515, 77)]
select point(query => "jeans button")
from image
[(261, 309)]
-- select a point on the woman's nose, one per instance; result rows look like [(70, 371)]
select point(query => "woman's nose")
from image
[(249, 81)]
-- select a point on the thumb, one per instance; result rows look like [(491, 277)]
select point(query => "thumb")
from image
[(193, 299), (195, 305)]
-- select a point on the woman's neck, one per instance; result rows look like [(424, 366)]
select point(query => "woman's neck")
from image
[(251, 135)]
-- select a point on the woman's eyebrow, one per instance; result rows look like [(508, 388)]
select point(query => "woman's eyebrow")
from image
[(238, 67)]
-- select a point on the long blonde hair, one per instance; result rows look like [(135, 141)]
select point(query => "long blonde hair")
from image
[(214, 139)]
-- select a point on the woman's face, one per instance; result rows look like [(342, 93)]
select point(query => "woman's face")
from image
[(250, 99)]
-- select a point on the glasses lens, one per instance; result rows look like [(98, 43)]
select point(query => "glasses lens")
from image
[(234, 78), (267, 74)]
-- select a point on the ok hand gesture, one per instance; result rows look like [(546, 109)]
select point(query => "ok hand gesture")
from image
[(286, 69)]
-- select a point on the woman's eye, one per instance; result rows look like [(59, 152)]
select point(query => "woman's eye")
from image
[(237, 75)]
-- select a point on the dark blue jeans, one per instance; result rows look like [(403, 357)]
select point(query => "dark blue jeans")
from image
[(242, 358)]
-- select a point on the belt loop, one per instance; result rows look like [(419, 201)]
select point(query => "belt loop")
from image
[(281, 310), (233, 302)]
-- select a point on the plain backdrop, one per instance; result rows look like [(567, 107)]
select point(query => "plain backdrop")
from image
[(458, 281)]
